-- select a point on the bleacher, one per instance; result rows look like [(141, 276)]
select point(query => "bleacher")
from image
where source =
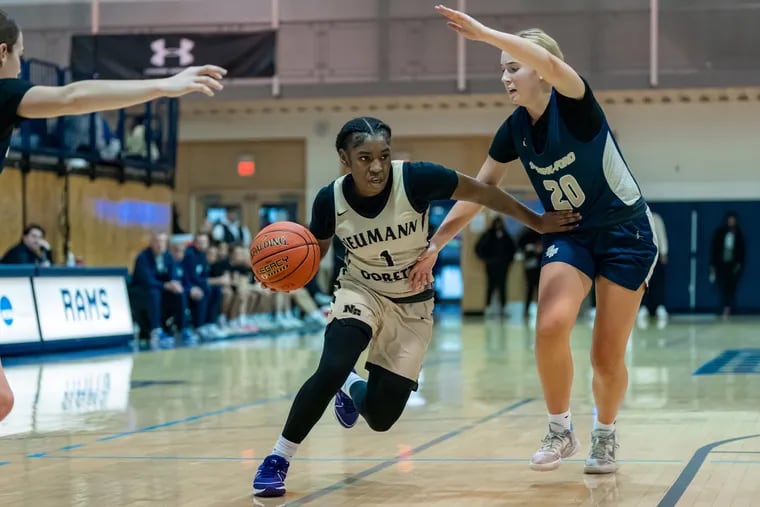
[(97, 143)]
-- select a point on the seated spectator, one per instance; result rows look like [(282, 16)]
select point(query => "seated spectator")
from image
[(135, 145), (32, 249), (220, 282), (160, 286), (269, 310), (244, 291), (76, 137), (311, 313), (202, 297), (184, 276)]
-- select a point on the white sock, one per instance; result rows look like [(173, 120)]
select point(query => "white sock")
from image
[(604, 427), (562, 420), (352, 379), (285, 448)]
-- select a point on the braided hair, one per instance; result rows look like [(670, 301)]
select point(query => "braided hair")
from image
[(356, 131)]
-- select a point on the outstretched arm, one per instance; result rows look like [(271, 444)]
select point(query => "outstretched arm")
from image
[(554, 70), (493, 197), (483, 192), (89, 96), (462, 212)]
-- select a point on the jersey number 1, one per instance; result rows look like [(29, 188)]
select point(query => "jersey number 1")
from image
[(386, 255), (566, 193)]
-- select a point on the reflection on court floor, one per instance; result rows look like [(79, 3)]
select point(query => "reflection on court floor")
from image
[(189, 426)]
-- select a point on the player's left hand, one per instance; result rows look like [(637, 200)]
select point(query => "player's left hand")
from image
[(465, 25), (421, 274), (559, 221)]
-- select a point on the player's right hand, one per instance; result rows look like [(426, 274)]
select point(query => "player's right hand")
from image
[(205, 79), (559, 221), (462, 23), (421, 275), (271, 289)]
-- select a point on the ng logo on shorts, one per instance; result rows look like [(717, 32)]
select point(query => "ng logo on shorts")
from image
[(353, 310)]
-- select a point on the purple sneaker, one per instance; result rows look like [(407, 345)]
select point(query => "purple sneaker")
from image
[(270, 478), (345, 410)]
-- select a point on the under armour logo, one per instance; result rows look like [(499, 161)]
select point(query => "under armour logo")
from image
[(183, 52), (551, 251)]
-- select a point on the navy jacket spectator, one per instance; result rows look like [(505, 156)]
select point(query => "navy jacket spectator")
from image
[(21, 254), (148, 274), (32, 249), (196, 268), (182, 274)]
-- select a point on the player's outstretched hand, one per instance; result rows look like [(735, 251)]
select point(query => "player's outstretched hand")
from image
[(421, 275), (206, 79), (465, 25), (559, 221)]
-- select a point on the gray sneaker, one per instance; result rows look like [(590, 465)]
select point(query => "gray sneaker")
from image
[(558, 444), (601, 459)]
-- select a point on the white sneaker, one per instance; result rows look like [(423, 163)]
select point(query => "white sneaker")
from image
[(558, 444), (601, 458), (661, 313)]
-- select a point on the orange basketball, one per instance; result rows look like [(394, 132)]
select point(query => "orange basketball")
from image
[(284, 256)]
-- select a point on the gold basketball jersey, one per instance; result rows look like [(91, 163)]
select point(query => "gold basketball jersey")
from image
[(381, 251)]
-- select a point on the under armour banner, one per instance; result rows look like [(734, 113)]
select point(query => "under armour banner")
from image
[(136, 56)]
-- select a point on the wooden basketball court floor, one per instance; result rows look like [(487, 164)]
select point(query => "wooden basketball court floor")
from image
[(189, 426)]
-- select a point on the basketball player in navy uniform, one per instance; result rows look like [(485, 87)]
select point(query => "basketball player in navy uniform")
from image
[(562, 137), (20, 99), (379, 211)]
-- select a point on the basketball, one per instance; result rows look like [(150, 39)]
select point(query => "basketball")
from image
[(284, 256)]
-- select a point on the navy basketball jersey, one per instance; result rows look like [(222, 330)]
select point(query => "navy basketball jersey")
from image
[(590, 177)]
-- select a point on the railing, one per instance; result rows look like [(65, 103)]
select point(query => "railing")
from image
[(134, 143)]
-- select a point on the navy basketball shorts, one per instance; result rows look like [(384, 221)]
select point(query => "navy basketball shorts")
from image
[(625, 253)]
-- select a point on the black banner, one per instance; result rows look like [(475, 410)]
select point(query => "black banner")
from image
[(138, 56)]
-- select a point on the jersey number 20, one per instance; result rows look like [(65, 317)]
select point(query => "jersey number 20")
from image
[(566, 193)]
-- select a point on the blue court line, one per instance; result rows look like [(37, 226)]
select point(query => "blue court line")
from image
[(3, 463), (194, 418), (421, 448), (691, 469), (233, 408), (70, 447), (716, 364), (340, 459)]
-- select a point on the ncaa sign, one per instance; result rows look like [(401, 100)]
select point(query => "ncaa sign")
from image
[(18, 319), (83, 307)]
